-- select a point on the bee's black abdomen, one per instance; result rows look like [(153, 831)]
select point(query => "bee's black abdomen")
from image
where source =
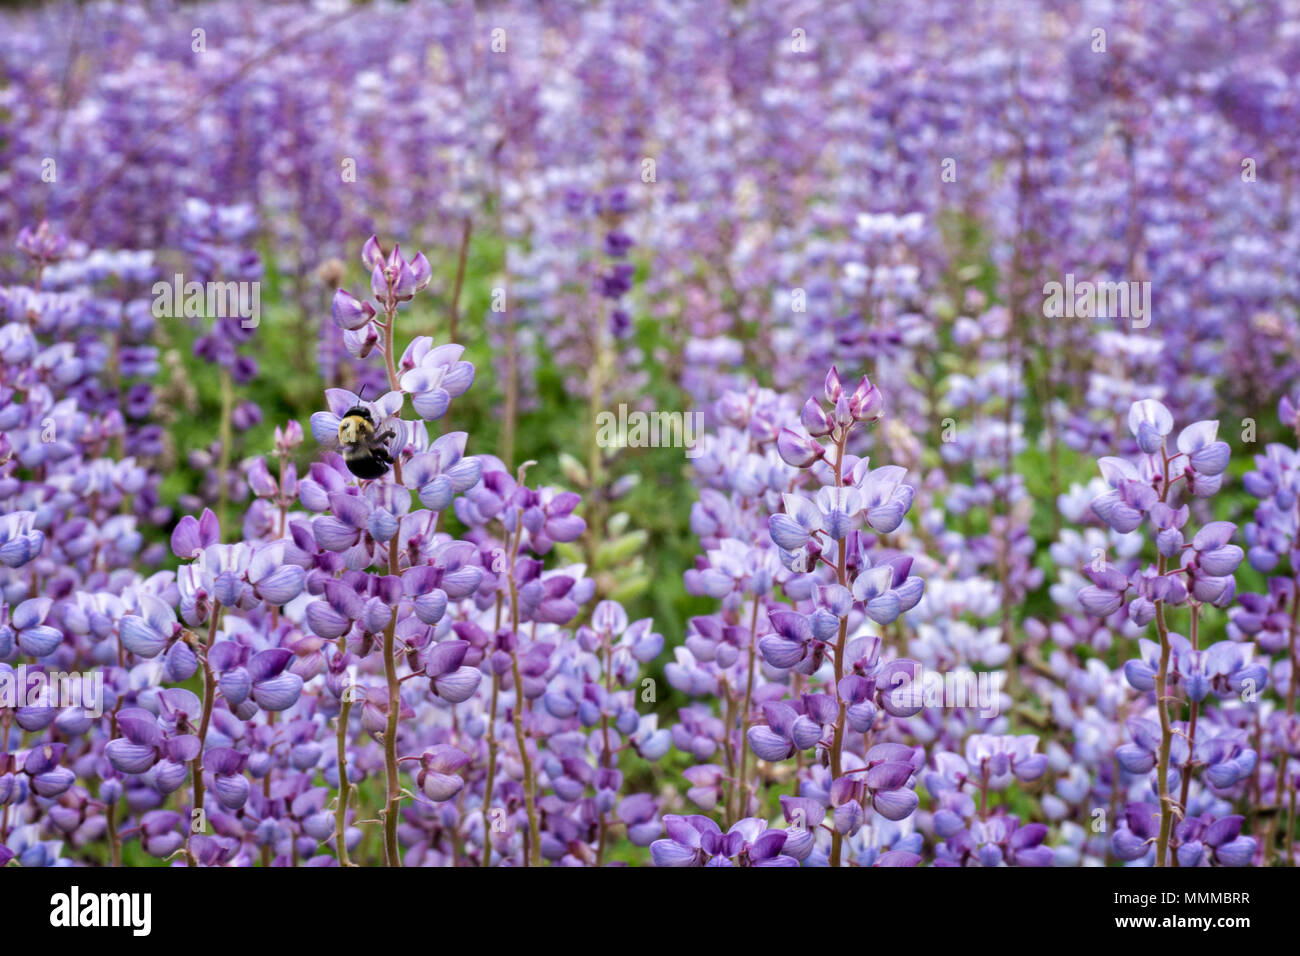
[(364, 464)]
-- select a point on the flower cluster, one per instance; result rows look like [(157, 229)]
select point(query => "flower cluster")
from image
[(921, 638)]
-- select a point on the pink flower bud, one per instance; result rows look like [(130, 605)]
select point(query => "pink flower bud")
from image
[(796, 450)]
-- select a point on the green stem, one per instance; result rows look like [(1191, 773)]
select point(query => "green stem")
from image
[(841, 573), (110, 810), (605, 750), (729, 752), (492, 754), (391, 781), (491, 772), (534, 857), (209, 693), (345, 789), (392, 853)]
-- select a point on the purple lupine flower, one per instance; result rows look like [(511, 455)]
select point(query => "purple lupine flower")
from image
[(273, 687), (20, 541), (706, 784), (349, 312), (1204, 841), (438, 776), (442, 473), (640, 814), (698, 841), (786, 732), (227, 768), (448, 677), (435, 375), (26, 630)]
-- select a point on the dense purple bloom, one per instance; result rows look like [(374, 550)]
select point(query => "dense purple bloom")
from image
[(907, 626)]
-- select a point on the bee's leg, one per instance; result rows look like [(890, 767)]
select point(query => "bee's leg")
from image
[(382, 454)]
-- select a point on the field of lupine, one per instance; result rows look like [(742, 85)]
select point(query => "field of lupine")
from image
[(640, 432)]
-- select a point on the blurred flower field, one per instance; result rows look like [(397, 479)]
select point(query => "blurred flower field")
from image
[(691, 433)]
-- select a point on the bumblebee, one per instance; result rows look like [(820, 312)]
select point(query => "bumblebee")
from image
[(364, 451)]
